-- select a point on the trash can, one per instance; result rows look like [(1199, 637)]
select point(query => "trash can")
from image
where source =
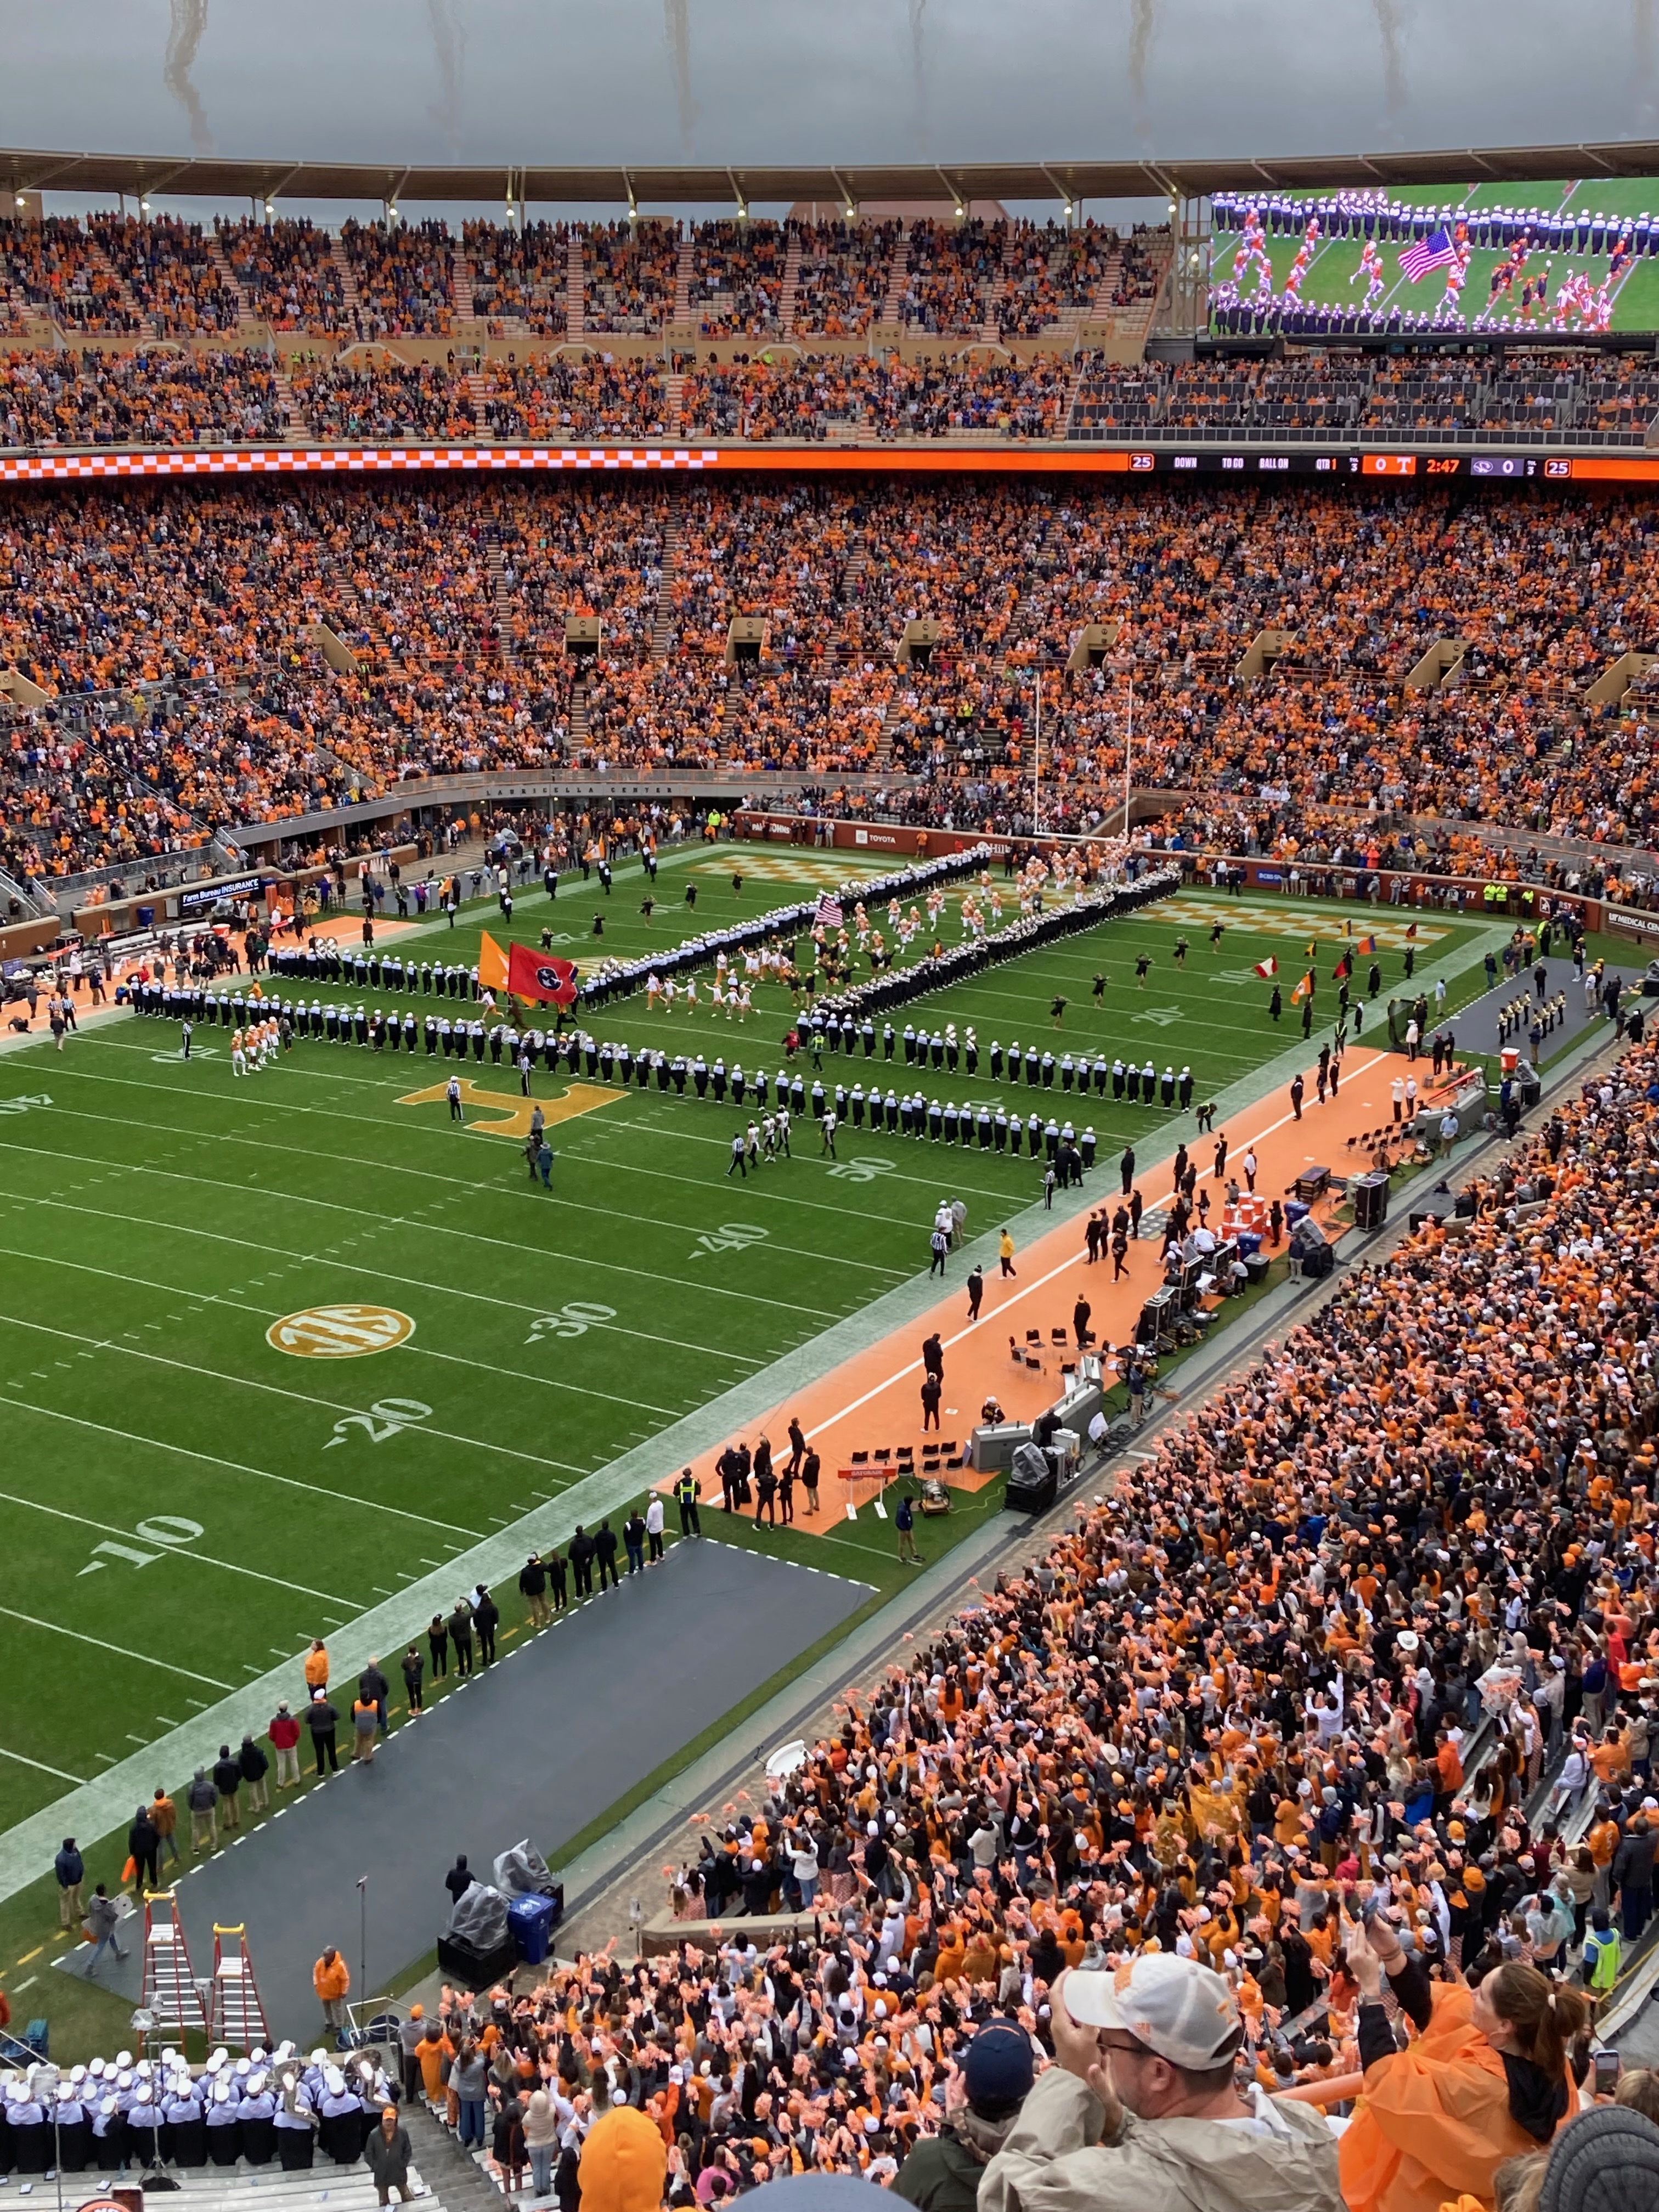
[(531, 1920)]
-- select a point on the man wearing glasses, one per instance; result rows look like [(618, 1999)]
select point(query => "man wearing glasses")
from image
[(1142, 2110)]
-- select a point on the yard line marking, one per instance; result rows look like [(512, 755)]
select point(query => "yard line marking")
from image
[(142, 1742), (40, 1767), (508, 1244), (105, 1756), (168, 1721), (396, 1167), (275, 1390), (179, 1551), (120, 1651)]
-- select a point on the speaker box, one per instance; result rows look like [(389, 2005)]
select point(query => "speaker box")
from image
[(1370, 1201), (476, 1970)]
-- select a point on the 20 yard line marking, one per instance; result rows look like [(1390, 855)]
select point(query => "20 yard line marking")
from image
[(275, 1389)]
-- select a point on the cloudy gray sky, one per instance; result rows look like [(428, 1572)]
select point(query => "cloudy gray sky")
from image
[(750, 80)]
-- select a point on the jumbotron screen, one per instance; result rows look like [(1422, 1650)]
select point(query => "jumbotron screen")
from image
[(1579, 255)]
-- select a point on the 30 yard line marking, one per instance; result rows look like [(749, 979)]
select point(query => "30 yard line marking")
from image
[(56, 1628), (178, 1551)]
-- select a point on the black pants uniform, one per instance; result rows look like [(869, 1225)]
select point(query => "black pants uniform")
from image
[(690, 1523)]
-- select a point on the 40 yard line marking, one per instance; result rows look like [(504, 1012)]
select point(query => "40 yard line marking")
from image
[(466, 1235), (394, 1167)]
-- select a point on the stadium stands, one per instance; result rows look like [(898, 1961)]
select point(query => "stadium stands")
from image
[(447, 604), (286, 271), (631, 273)]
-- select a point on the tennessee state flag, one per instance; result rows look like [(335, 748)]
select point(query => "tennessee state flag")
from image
[(492, 964), (538, 977)]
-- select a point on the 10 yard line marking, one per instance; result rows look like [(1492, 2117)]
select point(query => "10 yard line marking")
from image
[(120, 1650), (179, 1552)]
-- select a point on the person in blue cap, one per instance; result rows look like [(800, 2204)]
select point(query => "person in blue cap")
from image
[(983, 2100)]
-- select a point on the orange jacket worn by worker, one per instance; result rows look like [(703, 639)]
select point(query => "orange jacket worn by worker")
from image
[(317, 1668), (1434, 2121), (331, 1978)]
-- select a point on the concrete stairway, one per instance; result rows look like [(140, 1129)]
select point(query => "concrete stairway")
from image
[(246, 320), (575, 280), (787, 296)]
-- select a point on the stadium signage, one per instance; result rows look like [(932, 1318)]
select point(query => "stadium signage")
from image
[(208, 895), (1627, 924), (1083, 458)]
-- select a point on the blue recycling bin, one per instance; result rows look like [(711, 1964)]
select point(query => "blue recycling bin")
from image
[(531, 1921)]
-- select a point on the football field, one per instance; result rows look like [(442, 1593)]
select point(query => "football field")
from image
[(276, 1349)]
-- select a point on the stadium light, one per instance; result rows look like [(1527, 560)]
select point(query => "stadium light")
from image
[(958, 210), (269, 208), (20, 200), (143, 207)]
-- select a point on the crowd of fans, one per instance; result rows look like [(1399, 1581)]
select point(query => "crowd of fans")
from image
[(53, 267), (1354, 394), (841, 288), (405, 276), (169, 269), (161, 396), (593, 396), (368, 398), (286, 268), (520, 275), (788, 398), (455, 604), (737, 278), (632, 268), (1325, 1643)]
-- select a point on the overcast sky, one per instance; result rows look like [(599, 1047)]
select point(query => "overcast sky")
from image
[(862, 80)]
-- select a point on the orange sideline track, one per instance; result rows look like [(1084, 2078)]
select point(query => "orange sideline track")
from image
[(873, 1400)]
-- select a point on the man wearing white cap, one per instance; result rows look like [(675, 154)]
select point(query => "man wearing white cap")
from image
[(1141, 2109)]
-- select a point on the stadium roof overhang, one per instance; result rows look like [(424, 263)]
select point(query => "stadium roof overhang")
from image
[(208, 177)]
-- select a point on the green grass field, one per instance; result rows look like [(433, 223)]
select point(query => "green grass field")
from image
[(1327, 281), (185, 1503)]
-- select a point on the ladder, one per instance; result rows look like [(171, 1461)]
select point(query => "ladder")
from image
[(238, 2012), (171, 1997)]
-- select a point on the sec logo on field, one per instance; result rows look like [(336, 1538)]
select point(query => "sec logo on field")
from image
[(339, 1332)]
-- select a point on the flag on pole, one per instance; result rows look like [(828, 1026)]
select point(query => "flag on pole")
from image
[(1367, 945), (1411, 930), (1436, 251), (827, 913), (539, 977), (1303, 989), (492, 964), (1266, 968)]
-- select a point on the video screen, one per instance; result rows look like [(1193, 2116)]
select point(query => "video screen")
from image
[(1581, 256)]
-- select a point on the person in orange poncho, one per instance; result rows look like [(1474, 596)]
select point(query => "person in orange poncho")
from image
[(1485, 2078)]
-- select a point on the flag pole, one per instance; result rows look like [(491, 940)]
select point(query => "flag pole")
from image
[(1037, 764), (1128, 750)]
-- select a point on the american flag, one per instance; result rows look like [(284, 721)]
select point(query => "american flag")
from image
[(827, 913), (1436, 251)]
